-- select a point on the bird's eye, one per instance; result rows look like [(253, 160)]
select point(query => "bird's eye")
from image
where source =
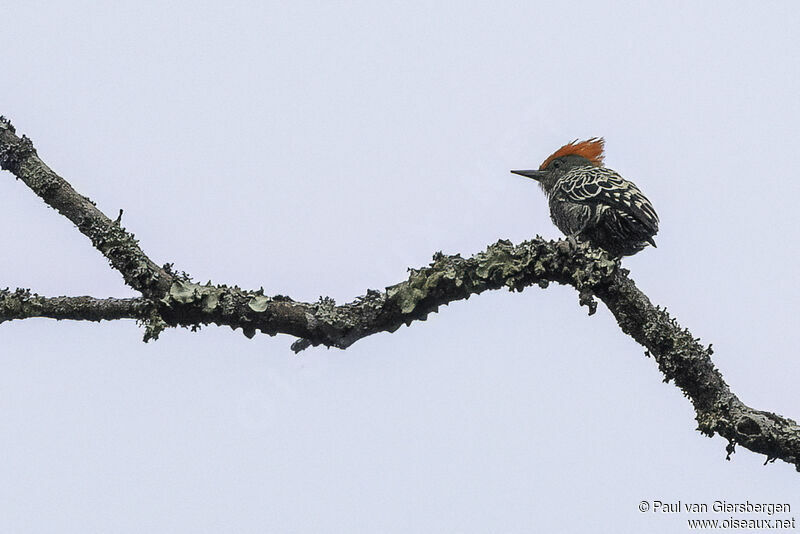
[(556, 164)]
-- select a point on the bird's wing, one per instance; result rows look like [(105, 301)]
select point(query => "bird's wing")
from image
[(600, 185)]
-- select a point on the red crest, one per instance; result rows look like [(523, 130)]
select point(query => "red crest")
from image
[(591, 149)]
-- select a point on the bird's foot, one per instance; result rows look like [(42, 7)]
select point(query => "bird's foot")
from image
[(570, 244), (574, 242)]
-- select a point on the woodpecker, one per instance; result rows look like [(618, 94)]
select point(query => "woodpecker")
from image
[(594, 203)]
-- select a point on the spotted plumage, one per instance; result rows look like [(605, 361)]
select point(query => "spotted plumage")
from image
[(595, 203)]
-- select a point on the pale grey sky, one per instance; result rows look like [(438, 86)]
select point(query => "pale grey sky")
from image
[(321, 148)]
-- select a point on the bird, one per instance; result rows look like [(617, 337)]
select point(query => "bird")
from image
[(593, 203)]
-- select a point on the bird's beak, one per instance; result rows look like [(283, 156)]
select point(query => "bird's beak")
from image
[(534, 175)]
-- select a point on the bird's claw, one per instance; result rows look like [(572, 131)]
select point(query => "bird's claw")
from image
[(573, 242)]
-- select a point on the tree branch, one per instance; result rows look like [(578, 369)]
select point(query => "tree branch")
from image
[(682, 358), (447, 279), (22, 304), (170, 299), (122, 250)]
